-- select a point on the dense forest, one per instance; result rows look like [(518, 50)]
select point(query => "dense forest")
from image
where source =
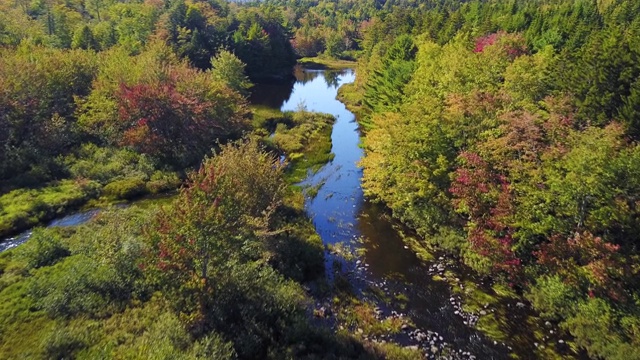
[(504, 133)]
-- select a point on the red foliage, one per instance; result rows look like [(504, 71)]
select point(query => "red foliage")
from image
[(513, 45), (587, 261), (175, 123), (485, 41), (158, 116), (486, 197)]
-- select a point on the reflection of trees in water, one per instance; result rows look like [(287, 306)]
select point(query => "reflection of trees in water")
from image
[(332, 78), (271, 95), (275, 95), (304, 75)]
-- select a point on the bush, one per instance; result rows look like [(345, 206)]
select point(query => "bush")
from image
[(126, 188), (162, 181), (44, 248), (104, 164), (552, 297), (75, 286)]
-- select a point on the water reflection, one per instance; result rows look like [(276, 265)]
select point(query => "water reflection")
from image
[(270, 95), (276, 96)]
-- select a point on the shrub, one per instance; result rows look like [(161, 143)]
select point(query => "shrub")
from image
[(44, 248), (126, 188)]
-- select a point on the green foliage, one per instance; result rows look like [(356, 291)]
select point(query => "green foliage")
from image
[(105, 164), (76, 285), (384, 89), (37, 104), (305, 139), (83, 39), (162, 108), (509, 139), (26, 207), (43, 249), (553, 298), (228, 69), (125, 188)]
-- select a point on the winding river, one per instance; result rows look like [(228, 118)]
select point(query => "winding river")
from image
[(341, 214)]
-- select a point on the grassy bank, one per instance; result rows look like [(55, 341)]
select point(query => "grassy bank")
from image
[(353, 100), (322, 63), (24, 208), (303, 137)]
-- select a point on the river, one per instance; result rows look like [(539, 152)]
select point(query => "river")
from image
[(342, 215)]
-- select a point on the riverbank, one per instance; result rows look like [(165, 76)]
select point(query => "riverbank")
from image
[(326, 63), (493, 309)]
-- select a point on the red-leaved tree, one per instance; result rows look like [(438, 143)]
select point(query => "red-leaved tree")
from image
[(176, 123), (485, 198)]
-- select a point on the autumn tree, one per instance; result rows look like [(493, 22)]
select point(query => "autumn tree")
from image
[(224, 213)]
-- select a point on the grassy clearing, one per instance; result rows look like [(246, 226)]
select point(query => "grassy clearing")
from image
[(321, 63)]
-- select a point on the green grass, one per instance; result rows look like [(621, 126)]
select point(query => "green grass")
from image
[(24, 208), (321, 63), (305, 138), (265, 118), (349, 95)]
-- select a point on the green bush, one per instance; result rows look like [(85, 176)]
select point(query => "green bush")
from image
[(76, 286), (105, 165), (126, 188), (44, 248), (552, 297), (162, 181)]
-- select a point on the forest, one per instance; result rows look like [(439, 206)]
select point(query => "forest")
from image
[(506, 133), (503, 133)]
